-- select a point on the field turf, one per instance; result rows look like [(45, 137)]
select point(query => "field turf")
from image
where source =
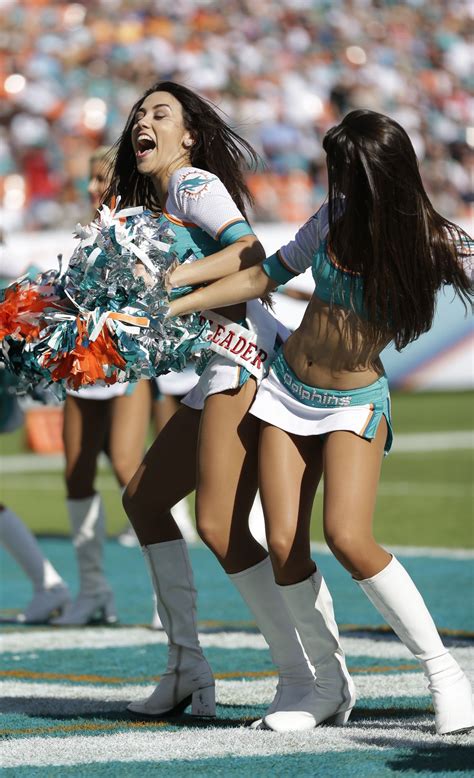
[(425, 495)]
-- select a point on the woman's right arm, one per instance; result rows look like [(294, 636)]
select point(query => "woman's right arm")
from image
[(236, 288)]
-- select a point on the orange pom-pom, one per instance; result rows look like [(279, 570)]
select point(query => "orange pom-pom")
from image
[(85, 365), (20, 312)]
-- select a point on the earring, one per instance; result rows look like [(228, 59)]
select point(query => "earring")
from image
[(188, 143)]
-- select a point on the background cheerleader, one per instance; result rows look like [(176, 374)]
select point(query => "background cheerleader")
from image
[(112, 419), (50, 592)]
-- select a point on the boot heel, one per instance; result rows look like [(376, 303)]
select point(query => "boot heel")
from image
[(204, 702), (341, 719), (109, 613)]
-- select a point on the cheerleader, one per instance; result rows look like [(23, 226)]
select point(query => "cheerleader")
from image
[(379, 253), (50, 592), (113, 419), (178, 157)]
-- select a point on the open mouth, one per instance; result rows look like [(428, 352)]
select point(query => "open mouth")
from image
[(145, 145)]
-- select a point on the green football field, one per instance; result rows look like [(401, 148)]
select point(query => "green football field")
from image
[(425, 494), (65, 691)]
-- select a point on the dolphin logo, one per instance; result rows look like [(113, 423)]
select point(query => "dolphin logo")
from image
[(193, 185)]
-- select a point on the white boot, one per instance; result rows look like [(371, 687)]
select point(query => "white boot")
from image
[(257, 522), (182, 516), (188, 678), (396, 597), (95, 600), (155, 618), (310, 606), (295, 676), (51, 594)]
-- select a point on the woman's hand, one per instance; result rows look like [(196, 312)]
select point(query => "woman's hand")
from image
[(140, 271), (169, 279)]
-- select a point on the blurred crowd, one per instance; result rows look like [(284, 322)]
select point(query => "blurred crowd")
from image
[(283, 70)]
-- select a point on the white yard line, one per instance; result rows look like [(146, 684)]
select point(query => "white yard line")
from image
[(433, 552), (23, 642), (408, 489)]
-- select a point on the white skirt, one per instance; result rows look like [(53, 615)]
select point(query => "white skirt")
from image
[(177, 383), (274, 404), (100, 392), (219, 375)]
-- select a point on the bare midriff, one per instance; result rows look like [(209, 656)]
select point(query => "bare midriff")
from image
[(332, 349)]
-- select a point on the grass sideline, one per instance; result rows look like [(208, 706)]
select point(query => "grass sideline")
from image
[(424, 498)]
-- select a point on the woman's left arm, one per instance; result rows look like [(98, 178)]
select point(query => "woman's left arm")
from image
[(245, 252), (237, 288)]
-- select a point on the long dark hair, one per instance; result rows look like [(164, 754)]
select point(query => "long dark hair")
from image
[(388, 230), (216, 148)]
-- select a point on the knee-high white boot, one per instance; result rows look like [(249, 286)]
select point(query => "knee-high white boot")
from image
[(310, 606), (182, 516), (257, 522), (396, 597), (295, 675), (95, 599), (51, 594), (155, 622), (188, 678)]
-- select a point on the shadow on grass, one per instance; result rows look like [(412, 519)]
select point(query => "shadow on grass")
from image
[(448, 759), (62, 712)]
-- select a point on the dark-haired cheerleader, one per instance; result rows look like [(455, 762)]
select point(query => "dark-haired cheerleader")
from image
[(379, 253), (179, 158)]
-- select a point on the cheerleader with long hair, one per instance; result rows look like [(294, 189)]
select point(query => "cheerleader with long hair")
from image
[(179, 158), (379, 254)]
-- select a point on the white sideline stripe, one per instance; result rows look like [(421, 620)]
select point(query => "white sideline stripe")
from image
[(98, 638), (433, 441), (214, 742), (413, 551), (403, 442), (408, 489), (426, 489), (29, 463)]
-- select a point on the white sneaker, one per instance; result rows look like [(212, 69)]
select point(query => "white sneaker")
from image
[(45, 604)]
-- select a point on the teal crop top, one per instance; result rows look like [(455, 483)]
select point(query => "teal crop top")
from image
[(333, 284)]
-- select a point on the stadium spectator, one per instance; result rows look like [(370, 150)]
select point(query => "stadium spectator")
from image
[(284, 71)]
